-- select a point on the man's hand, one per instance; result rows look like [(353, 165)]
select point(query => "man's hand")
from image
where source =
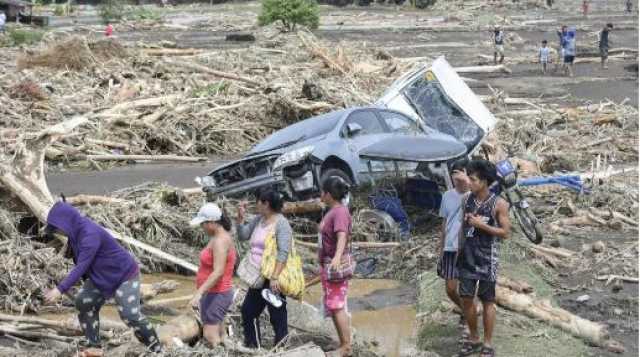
[(242, 210), (195, 301), (52, 295), (474, 220)]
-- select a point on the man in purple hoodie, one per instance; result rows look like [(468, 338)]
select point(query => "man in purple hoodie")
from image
[(107, 270)]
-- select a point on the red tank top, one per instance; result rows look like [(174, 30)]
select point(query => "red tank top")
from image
[(206, 268)]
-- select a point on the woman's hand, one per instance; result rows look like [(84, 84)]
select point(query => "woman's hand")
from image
[(52, 295), (195, 301), (242, 210), (335, 263), (274, 285)]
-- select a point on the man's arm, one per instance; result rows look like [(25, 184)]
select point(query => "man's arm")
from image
[(502, 215), (443, 234)]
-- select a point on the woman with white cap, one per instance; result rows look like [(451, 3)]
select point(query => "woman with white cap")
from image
[(214, 279)]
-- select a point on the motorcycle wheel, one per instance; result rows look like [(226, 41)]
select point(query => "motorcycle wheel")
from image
[(527, 221)]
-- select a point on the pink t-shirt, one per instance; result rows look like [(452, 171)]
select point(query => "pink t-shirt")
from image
[(256, 244), (337, 220)]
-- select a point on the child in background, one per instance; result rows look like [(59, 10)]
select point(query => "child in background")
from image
[(544, 56), (109, 30)]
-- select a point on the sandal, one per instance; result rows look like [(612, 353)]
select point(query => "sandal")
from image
[(487, 352), (469, 348)]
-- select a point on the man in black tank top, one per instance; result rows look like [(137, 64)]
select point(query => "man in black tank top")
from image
[(486, 223)]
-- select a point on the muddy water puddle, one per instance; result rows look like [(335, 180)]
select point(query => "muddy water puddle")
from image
[(381, 310)]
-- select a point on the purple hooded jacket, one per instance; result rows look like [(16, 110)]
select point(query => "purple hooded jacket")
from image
[(96, 253)]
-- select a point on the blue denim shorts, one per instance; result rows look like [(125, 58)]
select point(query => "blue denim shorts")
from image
[(214, 307)]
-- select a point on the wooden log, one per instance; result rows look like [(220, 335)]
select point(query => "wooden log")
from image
[(357, 245), (12, 330), (139, 103), (302, 207), (613, 214), (558, 252), (79, 200), (627, 279), (150, 291), (169, 301), (483, 69), (592, 332), (111, 144), (518, 286), (69, 326), (200, 68), (171, 51), (145, 158), (184, 328)]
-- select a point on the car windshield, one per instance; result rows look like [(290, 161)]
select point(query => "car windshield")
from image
[(308, 128), (438, 112)]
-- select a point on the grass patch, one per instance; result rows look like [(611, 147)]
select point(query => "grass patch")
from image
[(139, 13), (210, 90), (17, 37)]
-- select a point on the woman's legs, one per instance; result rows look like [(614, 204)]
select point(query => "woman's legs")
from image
[(128, 300), (213, 334), (341, 322), (88, 303), (252, 307), (278, 319)]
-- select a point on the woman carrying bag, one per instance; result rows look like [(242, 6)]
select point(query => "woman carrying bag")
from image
[(268, 224), (336, 263)]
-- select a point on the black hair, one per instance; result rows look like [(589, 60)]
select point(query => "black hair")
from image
[(224, 220), (610, 25), (483, 169), (337, 187), (544, 41), (459, 165), (271, 196)]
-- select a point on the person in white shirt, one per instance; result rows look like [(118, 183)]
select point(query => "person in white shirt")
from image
[(544, 56), (3, 20)]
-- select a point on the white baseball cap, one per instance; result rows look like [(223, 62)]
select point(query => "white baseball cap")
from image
[(210, 212)]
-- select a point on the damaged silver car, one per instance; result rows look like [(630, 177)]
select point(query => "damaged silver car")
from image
[(426, 119)]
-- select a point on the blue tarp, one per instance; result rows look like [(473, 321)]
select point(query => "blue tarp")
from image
[(573, 182)]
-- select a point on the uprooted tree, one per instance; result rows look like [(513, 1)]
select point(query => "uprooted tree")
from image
[(290, 13)]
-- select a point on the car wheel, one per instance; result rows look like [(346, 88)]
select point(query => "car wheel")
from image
[(335, 172)]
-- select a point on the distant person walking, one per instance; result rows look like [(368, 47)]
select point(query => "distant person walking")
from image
[(544, 56), (585, 8), (562, 34), (498, 44), (570, 52), (628, 6), (3, 21), (109, 30), (486, 224), (604, 44)]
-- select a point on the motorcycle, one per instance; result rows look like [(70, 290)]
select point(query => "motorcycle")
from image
[(507, 187)]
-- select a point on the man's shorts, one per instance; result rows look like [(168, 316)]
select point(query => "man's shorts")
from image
[(569, 59), (604, 52), (486, 290), (447, 268), (499, 49)]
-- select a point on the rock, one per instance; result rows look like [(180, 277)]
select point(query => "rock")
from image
[(244, 37), (598, 247), (617, 286), (583, 298), (555, 243), (615, 347)]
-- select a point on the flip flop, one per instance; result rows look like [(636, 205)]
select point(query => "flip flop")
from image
[(487, 352), (469, 348)]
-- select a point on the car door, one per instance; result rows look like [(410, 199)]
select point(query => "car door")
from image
[(372, 131), (443, 101)]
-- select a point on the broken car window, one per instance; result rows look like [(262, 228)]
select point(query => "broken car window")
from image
[(398, 123), (367, 120), (438, 112)]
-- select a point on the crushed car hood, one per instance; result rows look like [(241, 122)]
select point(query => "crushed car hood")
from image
[(434, 147)]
